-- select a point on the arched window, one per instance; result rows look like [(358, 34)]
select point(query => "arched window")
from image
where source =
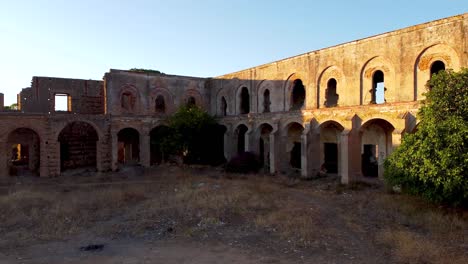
[(191, 102), (266, 101), (127, 101), (160, 105), (223, 106), (378, 88), (331, 99), (298, 95), (437, 66), (244, 101)]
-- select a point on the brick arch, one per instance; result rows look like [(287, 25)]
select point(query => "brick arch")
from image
[(288, 89), (168, 100), (378, 63), (287, 123), (237, 99), (32, 128), (133, 104), (21, 136), (220, 94), (195, 94), (274, 96), (422, 66), (99, 132), (327, 74)]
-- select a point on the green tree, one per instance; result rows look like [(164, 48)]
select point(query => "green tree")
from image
[(433, 161), (11, 107)]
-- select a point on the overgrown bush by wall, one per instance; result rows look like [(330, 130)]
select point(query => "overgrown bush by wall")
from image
[(433, 161)]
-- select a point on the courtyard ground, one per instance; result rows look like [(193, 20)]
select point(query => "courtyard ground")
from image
[(170, 214)]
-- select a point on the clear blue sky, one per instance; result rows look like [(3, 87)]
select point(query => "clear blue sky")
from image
[(85, 38)]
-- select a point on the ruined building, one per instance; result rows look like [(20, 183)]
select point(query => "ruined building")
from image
[(342, 108)]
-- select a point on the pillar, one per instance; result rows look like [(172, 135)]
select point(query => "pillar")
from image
[(274, 147), (3, 160), (350, 156), (114, 150), (145, 150)]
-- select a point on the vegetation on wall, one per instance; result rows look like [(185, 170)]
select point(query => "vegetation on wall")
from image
[(433, 161), (140, 70), (11, 107)]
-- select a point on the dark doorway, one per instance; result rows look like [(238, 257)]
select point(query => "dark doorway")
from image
[(241, 131), (191, 102), (78, 146), (244, 101), (331, 157), (369, 161), (295, 159), (298, 95), (437, 66), (24, 156), (128, 146)]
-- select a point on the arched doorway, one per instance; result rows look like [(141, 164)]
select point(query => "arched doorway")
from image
[(240, 133), (23, 150), (376, 142), (330, 137), (293, 145), (158, 140), (78, 146), (128, 146), (244, 101)]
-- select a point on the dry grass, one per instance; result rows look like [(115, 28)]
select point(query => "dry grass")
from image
[(185, 203)]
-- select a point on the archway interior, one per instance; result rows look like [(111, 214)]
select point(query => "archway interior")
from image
[(24, 152), (294, 145), (241, 131), (266, 101), (223, 106), (437, 66), (331, 99), (330, 135), (160, 105), (298, 95), (158, 138), (264, 146), (376, 141), (128, 146), (244, 101), (77, 146), (191, 102)]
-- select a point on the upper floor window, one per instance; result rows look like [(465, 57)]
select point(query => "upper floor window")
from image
[(223, 106), (127, 101), (62, 102), (378, 88), (266, 101), (191, 102), (331, 97), (244, 101), (437, 66), (298, 95), (160, 105)]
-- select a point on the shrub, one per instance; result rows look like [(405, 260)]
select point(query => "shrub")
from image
[(243, 163), (433, 162)]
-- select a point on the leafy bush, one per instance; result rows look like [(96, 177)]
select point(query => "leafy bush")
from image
[(433, 162), (243, 163)]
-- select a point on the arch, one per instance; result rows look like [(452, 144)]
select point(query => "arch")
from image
[(437, 66), (329, 73), (157, 152), (298, 95), (289, 86), (294, 144), (23, 152), (78, 146), (240, 132), (376, 144), (275, 97), (129, 99), (81, 120), (128, 151), (224, 106), (160, 105), (193, 97), (221, 109), (368, 82), (244, 100), (330, 146), (425, 59), (266, 101), (168, 98)]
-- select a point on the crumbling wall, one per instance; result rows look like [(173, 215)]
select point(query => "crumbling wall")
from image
[(86, 96), (2, 102)]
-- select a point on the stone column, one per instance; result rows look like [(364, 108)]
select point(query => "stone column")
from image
[(114, 150), (274, 147), (145, 150), (44, 159), (344, 158), (99, 148), (4, 157), (228, 145), (350, 156), (313, 152)]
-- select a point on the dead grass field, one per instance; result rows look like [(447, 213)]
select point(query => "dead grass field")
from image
[(318, 221)]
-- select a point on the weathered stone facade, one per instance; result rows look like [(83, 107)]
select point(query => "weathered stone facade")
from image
[(341, 109)]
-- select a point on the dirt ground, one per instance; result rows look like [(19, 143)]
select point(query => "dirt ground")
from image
[(202, 215)]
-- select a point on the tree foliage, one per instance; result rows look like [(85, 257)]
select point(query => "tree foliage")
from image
[(433, 161), (193, 134), (140, 70)]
